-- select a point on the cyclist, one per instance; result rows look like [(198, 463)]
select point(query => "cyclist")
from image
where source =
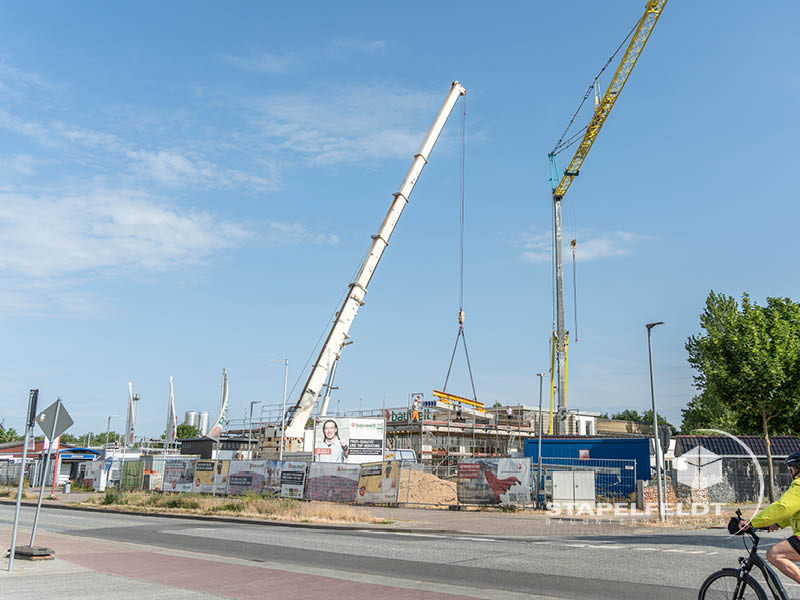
[(784, 512)]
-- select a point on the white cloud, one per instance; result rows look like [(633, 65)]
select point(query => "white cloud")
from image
[(53, 134), (350, 45), (590, 246), (294, 234), (264, 62), (11, 73), (60, 235), (52, 245), (173, 169), (349, 125), (20, 164)]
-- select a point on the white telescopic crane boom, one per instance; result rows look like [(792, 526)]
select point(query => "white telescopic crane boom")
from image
[(355, 298)]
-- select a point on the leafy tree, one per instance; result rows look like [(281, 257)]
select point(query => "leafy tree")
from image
[(747, 364), (8, 434), (603, 415), (187, 431), (628, 415), (99, 439), (645, 417), (497, 404)]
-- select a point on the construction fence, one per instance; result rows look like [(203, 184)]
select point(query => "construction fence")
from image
[(731, 480), (503, 481), (9, 473)]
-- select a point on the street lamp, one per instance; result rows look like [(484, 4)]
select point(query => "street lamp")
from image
[(656, 444), (283, 407), (250, 430), (541, 424), (108, 428)]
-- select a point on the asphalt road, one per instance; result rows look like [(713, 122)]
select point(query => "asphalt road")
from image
[(636, 565)]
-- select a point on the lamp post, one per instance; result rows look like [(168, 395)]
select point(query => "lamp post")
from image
[(541, 424), (656, 444), (250, 430), (108, 429), (283, 408)]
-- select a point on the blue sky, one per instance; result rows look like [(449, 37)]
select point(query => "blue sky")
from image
[(190, 187)]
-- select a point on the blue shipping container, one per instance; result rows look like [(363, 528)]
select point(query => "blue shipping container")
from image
[(637, 449)]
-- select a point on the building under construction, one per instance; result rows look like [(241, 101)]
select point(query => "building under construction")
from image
[(444, 430)]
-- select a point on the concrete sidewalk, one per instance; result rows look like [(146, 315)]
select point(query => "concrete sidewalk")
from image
[(90, 569)]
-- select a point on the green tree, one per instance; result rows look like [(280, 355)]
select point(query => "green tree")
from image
[(8, 434), (99, 439), (187, 431), (629, 415), (645, 417), (747, 363)]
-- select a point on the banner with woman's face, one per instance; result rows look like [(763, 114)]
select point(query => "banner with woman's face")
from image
[(348, 440)]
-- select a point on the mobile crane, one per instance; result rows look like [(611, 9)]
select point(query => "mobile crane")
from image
[(337, 336)]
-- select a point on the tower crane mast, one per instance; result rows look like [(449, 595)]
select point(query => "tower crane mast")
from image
[(337, 336), (562, 182)]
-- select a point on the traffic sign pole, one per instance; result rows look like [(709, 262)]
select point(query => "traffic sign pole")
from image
[(44, 472), (32, 401)]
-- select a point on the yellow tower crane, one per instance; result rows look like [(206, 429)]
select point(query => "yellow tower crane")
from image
[(561, 182)]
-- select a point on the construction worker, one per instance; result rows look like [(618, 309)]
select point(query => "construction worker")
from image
[(415, 410)]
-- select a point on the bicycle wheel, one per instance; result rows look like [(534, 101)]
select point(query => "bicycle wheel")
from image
[(725, 585)]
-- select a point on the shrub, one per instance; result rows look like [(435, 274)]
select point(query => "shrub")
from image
[(114, 496)]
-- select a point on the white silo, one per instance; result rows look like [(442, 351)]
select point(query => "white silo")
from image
[(203, 423), (191, 418)]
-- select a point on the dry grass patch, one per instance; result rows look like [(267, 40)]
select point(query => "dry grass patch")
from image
[(248, 505), (8, 491)]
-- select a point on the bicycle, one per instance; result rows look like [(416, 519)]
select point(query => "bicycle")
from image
[(738, 584)]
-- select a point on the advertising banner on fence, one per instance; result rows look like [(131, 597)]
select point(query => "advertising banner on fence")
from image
[(332, 483), (221, 469), (494, 481), (272, 477), (246, 476), (178, 475), (346, 440), (204, 471), (293, 479), (377, 483)]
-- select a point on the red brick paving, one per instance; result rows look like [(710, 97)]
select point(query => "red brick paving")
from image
[(240, 581)]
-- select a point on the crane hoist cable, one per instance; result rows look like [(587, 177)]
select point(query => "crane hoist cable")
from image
[(461, 336)]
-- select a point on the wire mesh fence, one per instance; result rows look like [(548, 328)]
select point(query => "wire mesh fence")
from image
[(737, 480), (9, 473)]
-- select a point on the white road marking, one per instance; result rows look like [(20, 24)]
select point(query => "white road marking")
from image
[(562, 544)]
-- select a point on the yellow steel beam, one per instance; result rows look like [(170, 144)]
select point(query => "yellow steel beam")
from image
[(648, 21), (452, 398)]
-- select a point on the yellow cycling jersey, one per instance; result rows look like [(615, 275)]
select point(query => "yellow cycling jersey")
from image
[(784, 512)]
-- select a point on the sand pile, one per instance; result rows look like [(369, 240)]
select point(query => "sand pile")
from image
[(424, 488)]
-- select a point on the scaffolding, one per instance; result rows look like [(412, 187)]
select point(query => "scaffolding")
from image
[(441, 437)]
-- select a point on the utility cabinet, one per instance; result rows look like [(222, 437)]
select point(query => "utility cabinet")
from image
[(573, 489)]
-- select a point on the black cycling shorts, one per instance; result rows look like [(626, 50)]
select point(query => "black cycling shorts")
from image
[(794, 542)]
